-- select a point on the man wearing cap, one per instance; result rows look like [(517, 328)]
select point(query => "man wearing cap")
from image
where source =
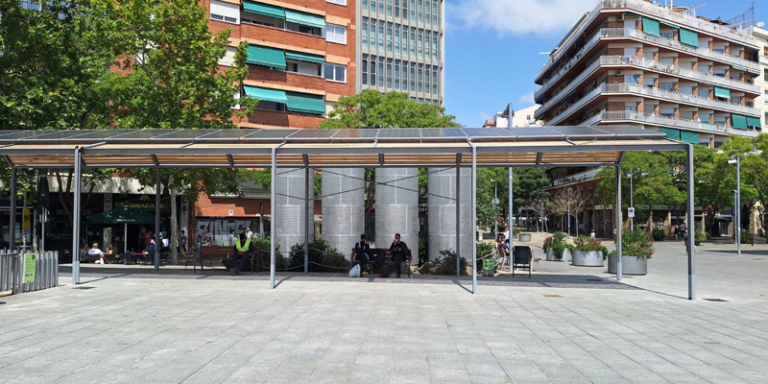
[(362, 252)]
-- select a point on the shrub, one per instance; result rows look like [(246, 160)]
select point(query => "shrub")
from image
[(549, 243), (445, 265), (559, 236), (423, 251), (515, 231), (637, 244), (484, 249), (588, 244), (702, 236), (746, 237), (525, 234), (322, 257), (559, 248), (658, 234)]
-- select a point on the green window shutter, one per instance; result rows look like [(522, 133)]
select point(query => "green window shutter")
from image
[(264, 10), (689, 137), (266, 57), (304, 103), (689, 37), (722, 92), (673, 134), (753, 121), (739, 121), (304, 19), (263, 94), (651, 26), (304, 57), (753, 71)]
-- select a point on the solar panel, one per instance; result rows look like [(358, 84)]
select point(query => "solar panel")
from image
[(355, 133), (266, 134), (228, 134), (454, 132), (399, 133), (186, 134), (534, 132), (98, 134), (313, 134), (143, 134), (28, 135), (486, 132), (578, 131)]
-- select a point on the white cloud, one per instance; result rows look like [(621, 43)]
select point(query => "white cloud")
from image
[(526, 99), (484, 115), (521, 17)]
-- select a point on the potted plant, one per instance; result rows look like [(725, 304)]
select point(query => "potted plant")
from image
[(658, 234), (515, 232), (548, 246), (636, 249), (525, 237), (588, 252), (699, 236), (556, 248)]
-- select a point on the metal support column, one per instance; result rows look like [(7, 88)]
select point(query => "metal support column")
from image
[(510, 223), (76, 213), (473, 203), (619, 222), (158, 243), (273, 220), (458, 220), (12, 228), (307, 215), (691, 231)]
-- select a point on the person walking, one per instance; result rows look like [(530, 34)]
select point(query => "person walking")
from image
[(142, 238), (183, 242), (242, 248), (362, 253), (400, 252), (686, 241)]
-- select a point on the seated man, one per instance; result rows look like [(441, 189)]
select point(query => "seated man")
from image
[(362, 253), (98, 254), (400, 252), (242, 250)]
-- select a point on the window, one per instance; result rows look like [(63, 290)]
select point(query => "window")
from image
[(389, 7), (420, 17), (270, 106), (405, 9), (381, 35), (372, 37), (630, 24), (413, 77), (364, 33), (632, 79), (389, 37), (397, 38), (389, 73), (373, 71), (413, 9), (381, 7), (434, 80), (405, 40), (630, 107), (397, 8), (303, 68), (427, 78), (397, 74), (720, 120), (704, 69), (705, 117), (720, 50), (736, 100), (419, 39), (405, 76), (667, 86), (365, 69), (427, 39), (720, 72), (373, 6), (228, 13), (365, 5), (434, 12), (339, 2), (667, 112), (335, 33), (648, 83), (427, 12), (667, 35), (381, 71), (229, 57), (704, 93), (630, 52), (413, 42), (434, 45), (335, 72)]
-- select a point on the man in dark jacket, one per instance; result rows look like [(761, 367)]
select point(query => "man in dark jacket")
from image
[(362, 252), (242, 251), (400, 252)]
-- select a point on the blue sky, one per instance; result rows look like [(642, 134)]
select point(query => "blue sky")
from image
[(492, 47)]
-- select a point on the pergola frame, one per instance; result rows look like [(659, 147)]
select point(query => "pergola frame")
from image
[(363, 148)]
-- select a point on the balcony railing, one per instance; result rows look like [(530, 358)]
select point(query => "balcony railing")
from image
[(743, 36), (640, 35), (673, 122), (576, 106), (588, 71)]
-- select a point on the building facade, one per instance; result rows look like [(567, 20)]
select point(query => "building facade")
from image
[(761, 35), (301, 56), (661, 68), (402, 47)]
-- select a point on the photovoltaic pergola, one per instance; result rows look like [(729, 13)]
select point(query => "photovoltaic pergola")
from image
[(346, 148)]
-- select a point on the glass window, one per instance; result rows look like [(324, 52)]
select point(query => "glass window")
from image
[(381, 71), (630, 52), (228, 13), (336, 34), (427, 78), (397, 38), (397, 74), (667, 86), (381, 7), (365, 4), (720, 72), (372, 37), (335, 72), (420, 74), (648, 83), (405, 39), (419, 39), (427, 12), (704, 93), (420, 16), (373, 6), (389, 37), (632, 79), (434, 46), (381, 35), (413, 42), (434, 12), (705, 117), (364, 32), (434, 80), (404, 15), (413, 9), (667, 35), (413, 76), (389, 73), (427, 39), (389, 7), (339, 2), (704, 69), (373, 70), (397, 8), (365, 69), (405, 76)]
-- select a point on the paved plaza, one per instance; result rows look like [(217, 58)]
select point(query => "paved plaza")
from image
[(565, 325)]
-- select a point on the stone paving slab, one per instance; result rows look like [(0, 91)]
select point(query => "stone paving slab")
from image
[(564, 325)]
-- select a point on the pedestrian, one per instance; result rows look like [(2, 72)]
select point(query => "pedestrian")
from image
[(232, 237), (148, 240), (142, 238), (242, 251), (592, 233), (400, 252), (686, 241), (362, 253), (248, 233), (183, 242), (506, 235)]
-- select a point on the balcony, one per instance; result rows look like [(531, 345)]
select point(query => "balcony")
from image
[(672, 122), (742, 37), (576, 177), (634, 34)]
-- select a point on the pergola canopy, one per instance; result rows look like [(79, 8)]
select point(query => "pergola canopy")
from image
[(246, 148)]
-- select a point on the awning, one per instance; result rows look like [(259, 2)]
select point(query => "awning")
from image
[(267, 57), (739, 121), (753, 71), (305, 57), (304, 19), (264, 94), (263, 9), (689, 37), (651, 26), (738, 68), (722, 92), (304, 103), (753, 121), (689, 137), (671, 133)]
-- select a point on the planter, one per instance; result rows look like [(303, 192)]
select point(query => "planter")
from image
[(525, 238), (630, 265), (551, 255), (697, 243), (566, 255), (587, 258)]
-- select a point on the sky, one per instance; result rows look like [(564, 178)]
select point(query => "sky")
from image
[(493, 47)]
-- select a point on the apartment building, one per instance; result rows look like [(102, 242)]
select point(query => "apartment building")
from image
[(662, 68), (402, 47), (761, 35), (521, 118), (301, 56)]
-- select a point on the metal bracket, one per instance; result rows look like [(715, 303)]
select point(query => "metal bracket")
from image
[(538, 158), (154, 158), (231, 160)]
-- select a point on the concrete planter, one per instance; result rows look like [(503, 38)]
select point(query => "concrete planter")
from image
[(525, 238), (566, 255), (587, 258), (630, 265)]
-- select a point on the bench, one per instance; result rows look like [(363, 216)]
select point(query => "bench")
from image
[(378, 257), (208, 254)]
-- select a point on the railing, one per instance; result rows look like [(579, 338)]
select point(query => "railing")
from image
[(575, 106), (640, 35), (613, 116), (742, 36), (12, 272), (576, 177), (588, 71)]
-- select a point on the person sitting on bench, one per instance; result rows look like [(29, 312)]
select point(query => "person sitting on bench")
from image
[(362, 252), (399, 251), (242, 250)]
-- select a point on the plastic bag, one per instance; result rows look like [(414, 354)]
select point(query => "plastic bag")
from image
[(355, 271)]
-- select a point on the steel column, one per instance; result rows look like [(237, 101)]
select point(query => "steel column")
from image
[(691, 231), (307, 215), (273, 217), (158, 243), (76, 212), (473, 202), (458, 220), (12, 215), (738, 208), (619, 223), (510, 224)]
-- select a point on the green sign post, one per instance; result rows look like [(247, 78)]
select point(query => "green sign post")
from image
[(30, 267)]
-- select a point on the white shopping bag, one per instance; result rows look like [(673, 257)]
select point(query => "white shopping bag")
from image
[(355, 271)]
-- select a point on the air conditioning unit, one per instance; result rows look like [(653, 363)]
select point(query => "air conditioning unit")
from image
[(619, 72), (620, 17)]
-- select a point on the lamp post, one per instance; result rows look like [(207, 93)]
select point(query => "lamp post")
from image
[(631, 201), (737, 207), (568, 202), (495, 205)]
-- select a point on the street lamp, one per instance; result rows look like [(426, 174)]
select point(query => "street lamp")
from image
[(631, 200), (495, 205), (737, 199)]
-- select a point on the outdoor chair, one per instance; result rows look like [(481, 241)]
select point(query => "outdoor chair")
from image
[(504, 257), (521, 259)]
